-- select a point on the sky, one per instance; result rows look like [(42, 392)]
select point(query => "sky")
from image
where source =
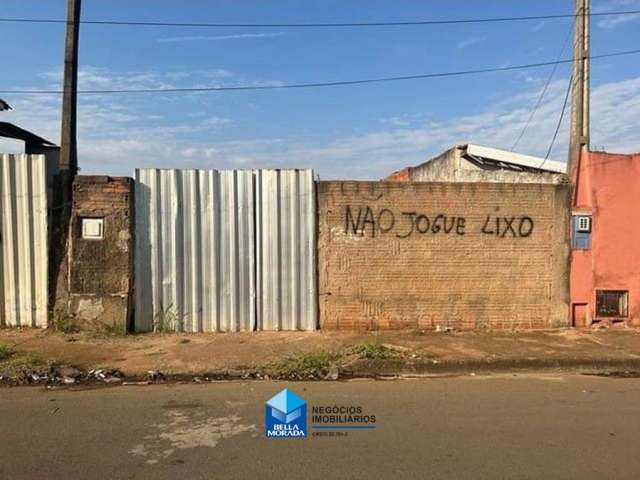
[(351, 132)]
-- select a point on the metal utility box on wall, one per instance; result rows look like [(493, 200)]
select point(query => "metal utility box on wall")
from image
[(101, 251), (581, 232)]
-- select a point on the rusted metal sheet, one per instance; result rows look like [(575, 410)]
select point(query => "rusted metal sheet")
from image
[(286, 269), (23, 240), (225, 250)]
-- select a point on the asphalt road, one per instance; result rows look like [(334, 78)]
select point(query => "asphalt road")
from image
[(524, 426)]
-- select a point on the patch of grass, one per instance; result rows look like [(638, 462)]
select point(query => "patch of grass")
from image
[(24, 360), (308, 365), (62, 322), (167, 320), (31, 361), (5, 352), (114, 329), (372, 351)]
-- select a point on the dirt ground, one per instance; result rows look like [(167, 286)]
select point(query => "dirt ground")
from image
[(192, 354)]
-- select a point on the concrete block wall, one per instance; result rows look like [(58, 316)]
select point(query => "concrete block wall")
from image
[(101, 270), (437, 255)]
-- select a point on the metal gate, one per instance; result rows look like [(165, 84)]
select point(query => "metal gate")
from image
[(226, 250), (23, 240)]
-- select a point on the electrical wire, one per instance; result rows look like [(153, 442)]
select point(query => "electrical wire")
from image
[(555, 134), (318, 84), (544, 90), (316, 25)]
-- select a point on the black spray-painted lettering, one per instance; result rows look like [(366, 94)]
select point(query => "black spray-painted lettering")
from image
[(350, 225), (422, 223), (368, 222), (386, 220), (411, 224), (365, 221), (505, 226), (525, 228)]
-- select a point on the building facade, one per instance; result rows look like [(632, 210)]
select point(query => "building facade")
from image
[(475, 163), (605, 278)]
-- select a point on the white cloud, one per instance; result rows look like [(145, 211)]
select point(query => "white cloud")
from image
[(404, 120), (467, 42), (539, 26), (209, 38), (116, 136), (613, 21), (100, 78)]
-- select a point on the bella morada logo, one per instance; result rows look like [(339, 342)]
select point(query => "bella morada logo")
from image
[(285, 416)]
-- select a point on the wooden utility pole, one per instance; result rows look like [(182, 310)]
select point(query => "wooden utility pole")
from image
[(579, 141), (68, 144)]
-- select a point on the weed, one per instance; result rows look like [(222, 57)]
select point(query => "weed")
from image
[(167, 320), (26, 360), (5, 352), (32, 360), (63, 322), (114, 329), (307, 365), (372, 351)]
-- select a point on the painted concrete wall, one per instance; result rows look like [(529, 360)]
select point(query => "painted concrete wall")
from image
[(450, 166), (609, 190), (429, 255)]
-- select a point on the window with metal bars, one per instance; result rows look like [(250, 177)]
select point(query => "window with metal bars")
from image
[(612, 303)]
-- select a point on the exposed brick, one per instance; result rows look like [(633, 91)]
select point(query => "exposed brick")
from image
[(373, 274), (102, 270)]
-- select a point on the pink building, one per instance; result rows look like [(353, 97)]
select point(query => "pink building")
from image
[(605, 236)]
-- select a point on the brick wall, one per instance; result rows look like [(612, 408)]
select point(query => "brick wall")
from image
[(101, 270), (429, 255)]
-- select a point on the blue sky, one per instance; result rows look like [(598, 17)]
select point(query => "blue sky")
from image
[(342, 132)]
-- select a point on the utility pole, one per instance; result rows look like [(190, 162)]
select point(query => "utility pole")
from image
[(68, 166), (68, 144), (579, 141)]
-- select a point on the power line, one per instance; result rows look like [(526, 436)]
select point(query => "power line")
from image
[(318, 25), (320, 84), (555, 134), (544, 90)]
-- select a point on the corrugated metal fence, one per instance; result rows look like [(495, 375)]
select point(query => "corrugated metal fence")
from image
[(286, 250), (225, 250), (23, 240)]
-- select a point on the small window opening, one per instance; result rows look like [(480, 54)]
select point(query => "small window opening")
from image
[(93, 228), (612, 303)]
